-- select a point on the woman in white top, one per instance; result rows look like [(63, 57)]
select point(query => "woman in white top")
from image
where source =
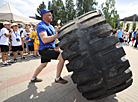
[(17, 42), (24, 34), (4, 42), (126, 36)]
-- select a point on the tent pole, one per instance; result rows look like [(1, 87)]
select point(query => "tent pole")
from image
[(124, 23), (134, 17)]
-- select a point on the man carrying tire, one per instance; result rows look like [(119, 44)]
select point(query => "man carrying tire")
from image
[(47, 36)]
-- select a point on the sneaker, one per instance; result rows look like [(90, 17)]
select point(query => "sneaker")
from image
[(11, 62), (36, 80), (38, 55), (11, 54), (15, 60), (35, 56), (8, 63), (32, 55), (61, 81), (4, 65), (23, 58)]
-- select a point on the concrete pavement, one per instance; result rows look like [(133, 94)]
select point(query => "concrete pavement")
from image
[(15, 83)]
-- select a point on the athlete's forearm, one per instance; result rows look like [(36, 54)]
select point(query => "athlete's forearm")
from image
[(46, 39)]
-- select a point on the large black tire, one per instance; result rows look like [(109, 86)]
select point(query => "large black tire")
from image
[(99, 67)]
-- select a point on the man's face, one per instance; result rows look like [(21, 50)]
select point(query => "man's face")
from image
[(121, 28), (19, 26), (34, 27), (48, 17), (7, 26), (27, 29)]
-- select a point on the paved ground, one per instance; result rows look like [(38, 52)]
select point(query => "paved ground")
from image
[(15, 85)]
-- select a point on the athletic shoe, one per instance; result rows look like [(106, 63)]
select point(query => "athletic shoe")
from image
[(35, 56), (32, 55), (11, 54), (23, 58), (8, 63), (15, 60), (36, 80), (4, 65), (38, 55), (61, 81)]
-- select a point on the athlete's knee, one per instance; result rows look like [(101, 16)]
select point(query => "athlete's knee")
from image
[(60, 57)]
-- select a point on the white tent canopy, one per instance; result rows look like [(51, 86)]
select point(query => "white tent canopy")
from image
[(10, 13)]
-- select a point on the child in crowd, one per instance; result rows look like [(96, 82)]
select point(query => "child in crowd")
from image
[(30, 44), (126, 36), (34, 36)]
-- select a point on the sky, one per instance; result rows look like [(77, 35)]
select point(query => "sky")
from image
[(125, 8)]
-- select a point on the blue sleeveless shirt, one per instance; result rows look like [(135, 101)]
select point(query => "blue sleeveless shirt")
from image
[(49, 29)]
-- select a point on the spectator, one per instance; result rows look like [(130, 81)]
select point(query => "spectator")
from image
[(113, 32), (56, 41), (34, 36), (30, 26), (30, 44), (119, 34), (4, 42), (126, 36), (17, 42), (25, 32), (130, 36), (20, 29), (134, 36)]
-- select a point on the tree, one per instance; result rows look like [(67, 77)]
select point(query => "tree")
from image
[(70, 11), (84, 6), (121, 24), (39, 8), (134, 25), (128, 25), (110, 13), (59, 11)]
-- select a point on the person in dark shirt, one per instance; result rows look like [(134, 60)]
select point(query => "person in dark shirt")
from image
[(113, 32)]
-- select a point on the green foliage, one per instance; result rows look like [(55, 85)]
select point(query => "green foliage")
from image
[(128, 25), (135, 25), (66, 12), (59, 11), (110, 13), (39, 8), (84, 6), (70, 11), (121, 24)]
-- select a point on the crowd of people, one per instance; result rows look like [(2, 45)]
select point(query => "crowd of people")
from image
[(18, 40), (125, 36)]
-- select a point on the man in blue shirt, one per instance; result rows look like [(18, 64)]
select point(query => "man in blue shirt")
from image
[(47, 36), (120, 34)]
